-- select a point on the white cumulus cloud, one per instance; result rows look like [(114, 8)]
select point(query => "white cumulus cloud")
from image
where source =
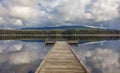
[(103, 10), (39, 13), (22, 12)]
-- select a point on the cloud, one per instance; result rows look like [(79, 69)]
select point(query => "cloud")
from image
[(74, 10), (21, 12), (1, 20), (18, 22), (15, 22), (38, 13), (101, 10), (3, 10)]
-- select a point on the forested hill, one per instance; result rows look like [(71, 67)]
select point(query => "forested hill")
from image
[(62, 30), (55, 28)]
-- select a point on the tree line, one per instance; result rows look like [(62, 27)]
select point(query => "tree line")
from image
[(63, 32)]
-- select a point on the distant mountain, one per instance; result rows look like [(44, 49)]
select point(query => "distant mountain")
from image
[(62, 28)]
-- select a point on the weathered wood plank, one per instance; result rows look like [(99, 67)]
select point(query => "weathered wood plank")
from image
[(61, 59)]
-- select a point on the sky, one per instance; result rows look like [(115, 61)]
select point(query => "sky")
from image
[(43, 13)]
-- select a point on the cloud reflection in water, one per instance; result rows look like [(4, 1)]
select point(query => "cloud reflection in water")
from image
[(100, 57), (20, 57)]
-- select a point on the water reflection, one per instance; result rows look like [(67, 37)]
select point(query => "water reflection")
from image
[(21, 57), (100, 57)]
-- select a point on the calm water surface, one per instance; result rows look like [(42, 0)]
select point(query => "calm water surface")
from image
[(100, 57), (25, 56), (21, 56)]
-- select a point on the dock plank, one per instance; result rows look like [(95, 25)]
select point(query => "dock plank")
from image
[(61, 59)]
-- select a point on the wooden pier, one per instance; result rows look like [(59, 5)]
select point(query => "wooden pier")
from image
[(61, 59), (53, 42)]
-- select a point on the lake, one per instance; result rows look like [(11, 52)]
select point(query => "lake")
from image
[(21, 56), (100, 56), (18, 56)]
